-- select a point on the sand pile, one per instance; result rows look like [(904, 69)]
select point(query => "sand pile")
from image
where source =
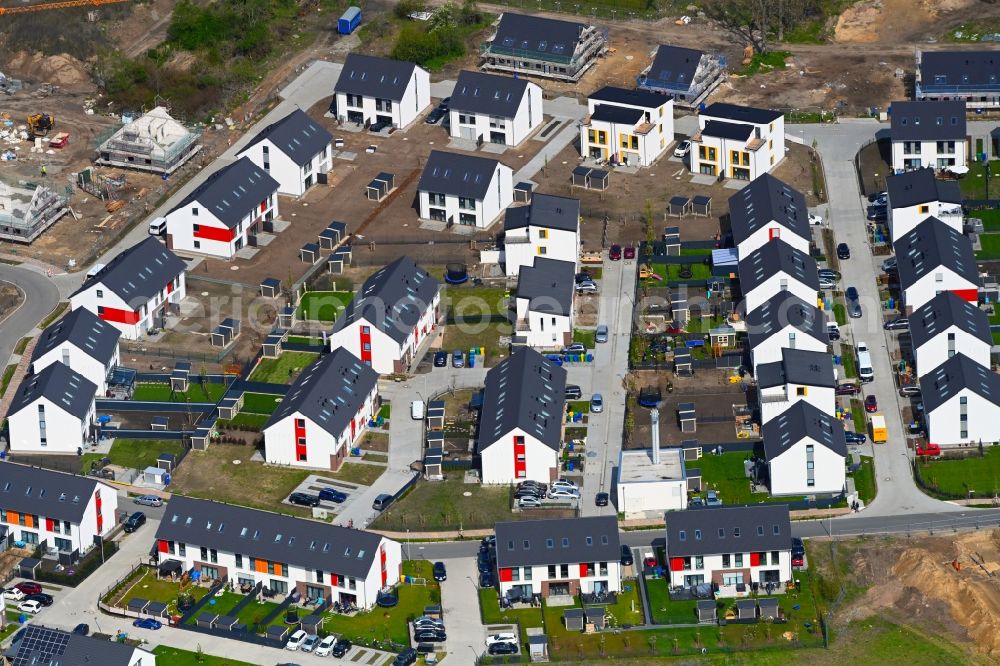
[(61, 70)]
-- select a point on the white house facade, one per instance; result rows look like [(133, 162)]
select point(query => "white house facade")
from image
[(928, 135), (805, 452), (768, 209), (784, 321), (738, 142), (777, 267), (464, 189), (933, 258), (544, 313), (630, 127), (380, 90), (83, 343), (914, 196), (52, 412), (548, 227), (295, 151), (490, 108), (800, 376), (962, 403), (946, 326)]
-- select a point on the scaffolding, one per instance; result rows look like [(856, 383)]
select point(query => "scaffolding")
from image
[(708, 75), (25, 212), (154, 142), (519, 58)]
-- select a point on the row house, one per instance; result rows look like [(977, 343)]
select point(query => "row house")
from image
[(914, 196), (373, 90), (295, 150), (465, 190), (286, 554), (774, 268), (543, 304), (548, 227), (961, 402), (800, 376), (928, 135), (971, 77), (738, 142), (52, 412), (630, 127), (945, 326), (933, 258), (527, 45), (784, 321), (769, 209), (489, 108), (83, 343), (805, 451)]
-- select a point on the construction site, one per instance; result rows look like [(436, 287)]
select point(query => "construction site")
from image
[(153, 142), (25, 212)]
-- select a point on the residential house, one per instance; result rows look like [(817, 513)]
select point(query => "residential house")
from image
[(768, 209), (548, 227), (52, 412), (916, 195), (689, 75), (730, 547), (776, 267), (135, 290), (62, 511), (562, 556), (317, 560), (738, 142), (296, 151), (630, 127), (380, 90), (544, 312), (931, 258), (785, 321), (153, 142), (800, 376), (805, 451), (945, 326), (928, 135), (34, 644), (395, 309), (325, 412), (490, 108), (464, 189), (521, 420), (81, 342), (961, 403), (528, 45), (972, 77)]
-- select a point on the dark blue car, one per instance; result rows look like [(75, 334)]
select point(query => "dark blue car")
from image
[(855, 437), (332, 495), (440, 359), (147, 623)]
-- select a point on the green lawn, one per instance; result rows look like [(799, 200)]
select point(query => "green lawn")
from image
[(990, 244), (864, 480), (586, 337), (704, 324), (473, 303), (197, 392), (995, 317), (433, 505), (766, 62), (581, 406), (849, 362), (260, 403), (990, 218), (21, 344), (996, 337), (973, 185), (284, 369), (858, 415), (323, 305), (164, 591), (665, 611), (223, 605), (724, 474), (134, 453), (698, 271), (490, 612), (257, 421), (177, 657), (8, 373), (255, 612), (696, 252), (958, 477), (478, 335), (840, 314), (364, 475), (305, 340)]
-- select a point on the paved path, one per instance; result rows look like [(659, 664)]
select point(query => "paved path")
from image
[(40, 297), (460, 599)]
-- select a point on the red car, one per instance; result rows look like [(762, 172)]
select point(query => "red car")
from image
[(615, 253), (29, 588), (928, 449), (871, 404), (847, 389), (629, 252)]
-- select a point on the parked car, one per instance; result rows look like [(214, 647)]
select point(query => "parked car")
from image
[(28, 588), (586, 288), (833, 331), (928, 449), (855, 437), (405, 658), (325, 646), (596, 403), (529, 502), (435, 116), (843, 251), (503, 637), (615, 253), (871, 404), (575, 348), (430, 636), (440, 359), (148, 500), (572, 392), (682, 149), (379, 125), (458, 359), (696, 502), (440, 573), (829, 273), (30, 606), (341, 647), (627, 560), (304, 499), (853, 306), (712, 499), (815, 220), (81, 629), (825, 283), (601, 336), (332, 495), (798, 552), (889, 265), (897, 324), (382, 502), (847, 388), (602, 499), (485, 579), (134, 522), (428, 622), (530, 493), (564, 493), (310, 643), (564, 483), (878, 196), (42, 598), (502, 648), (911, 391), (629, 252), (295, 640), (148, 623), (583, 276)]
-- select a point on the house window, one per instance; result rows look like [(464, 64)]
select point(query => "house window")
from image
[(699, 562), (239, 561), (738, 559), (924, 208), (564, 571), (181, 550), (603, 569), (210, 572), (204, 553), (100, 293), (552, 571), (515, 573), (527, 573), (775, 557), (194, 211), (543, 233), (725, 560), (800, 391)]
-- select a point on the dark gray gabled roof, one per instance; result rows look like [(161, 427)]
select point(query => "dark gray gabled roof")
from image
[(728, 529), (944, 311), (270, 536), (392, 299), (927, 121), (799, 421), (959, 69), (137, 274), (83, 329), (920, 186), (781, 310), (372, 76), (547, 211), (548, 285), (36, 645), (640, 98), (329, 392), (764, 200), (66, 388), (537, 35), (524, 391), (798, 366), (745, 114), (458, 175), (957, 373), (557, 541), (724, 130), (620, 115), (932, 244), (777, 257), (44, 492), (297, 135), (490, 94), (232, 192), (674, 66)]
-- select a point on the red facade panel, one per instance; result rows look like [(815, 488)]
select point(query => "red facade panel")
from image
[(583, 570), (970, 295), (163, 546), (755, 559), (366, 344), (215, 233), (506, 575), (119, 316), (49, 524), (300, 439), (677, 564)]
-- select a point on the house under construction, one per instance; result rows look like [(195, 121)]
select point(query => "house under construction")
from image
[(154, 142), (25, 213), (536, 46), (687, 74)]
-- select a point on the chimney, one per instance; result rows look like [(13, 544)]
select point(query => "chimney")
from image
[(654, 420)]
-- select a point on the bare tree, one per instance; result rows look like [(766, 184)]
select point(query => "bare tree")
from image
[(747, 20)]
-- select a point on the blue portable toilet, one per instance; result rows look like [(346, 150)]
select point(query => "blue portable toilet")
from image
[(350, 20)]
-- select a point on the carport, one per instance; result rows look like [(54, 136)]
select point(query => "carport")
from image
[(159, 423), (682, 364), (435, 415), (156, 609), (336, 262), (137, 605), (702, 205), (679, 206), (277, 632), (433, 458), (286, 318)]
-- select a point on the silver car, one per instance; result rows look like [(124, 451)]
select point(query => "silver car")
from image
[(148, 500), (602, 334)]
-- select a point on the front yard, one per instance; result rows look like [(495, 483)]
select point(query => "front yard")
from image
[(197, 392), (724, 474), (149, 588), (284, 369), (973, 185), (260, 403), (134, 453), (323, 306), (665, 611), (990, 245), (980, 476)]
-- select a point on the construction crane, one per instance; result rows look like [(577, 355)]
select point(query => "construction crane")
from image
[(57, 5)]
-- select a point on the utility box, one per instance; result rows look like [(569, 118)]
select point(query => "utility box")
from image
[(877, 425), (349, 20)]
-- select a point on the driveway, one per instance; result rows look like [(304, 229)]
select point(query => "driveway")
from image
[(460, 600)]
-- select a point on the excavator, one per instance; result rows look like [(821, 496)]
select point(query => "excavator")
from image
[(39, 124)]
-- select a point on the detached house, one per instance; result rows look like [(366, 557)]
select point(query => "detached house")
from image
[(689, 75), (544, 303), (738, 142), (392, 313), (917, 195), (805, 452), (767, 209), (325, 412), (776, 267), (946, 326), (928, 135), (380, 90), (521, 421), (630, 127), (81, 342), (135, 290), (548, 227), (315, 559), (61, 511), (972, 77), (490, 108), (785, 321), (225, 213), (565, 556), (463, 189), (295, 151), (528, 45), (961, 402), (933, 258), (800, 376), (52, 411), (730, 547)]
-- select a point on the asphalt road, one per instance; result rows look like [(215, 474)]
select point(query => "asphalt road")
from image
[(40, 297)]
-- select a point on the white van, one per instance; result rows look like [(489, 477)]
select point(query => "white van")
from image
[(417, 410), (865, 372), (158, 226), (95, 269)]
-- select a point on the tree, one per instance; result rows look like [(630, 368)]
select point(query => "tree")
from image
[(747, 20)]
